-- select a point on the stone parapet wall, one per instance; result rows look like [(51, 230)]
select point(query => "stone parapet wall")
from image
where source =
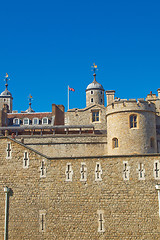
[(68, 146)]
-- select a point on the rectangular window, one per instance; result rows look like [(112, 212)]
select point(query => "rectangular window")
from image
[(133, 121), (156, 170), (83, 172), (126, 170), (8, 151), (42, 220), (141, 171), (98, 172), (95, 116), (69, 172), (25, 160), (101, 221), (43, 169)]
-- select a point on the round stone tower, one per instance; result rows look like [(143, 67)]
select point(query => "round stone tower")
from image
[(131, 127), (94, 93)]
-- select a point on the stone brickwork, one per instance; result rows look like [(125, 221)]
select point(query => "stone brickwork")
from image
[(131, 140), (97, 96), (71, 209), (69, 145), (84, 117)]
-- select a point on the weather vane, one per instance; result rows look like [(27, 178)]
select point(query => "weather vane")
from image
[(94, 67), (6, 79), (30, 98)]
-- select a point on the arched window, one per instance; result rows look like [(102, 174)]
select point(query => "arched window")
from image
[(26, 121), (45, 120), (16, 121), (133, 121), (35, 121), (115, 142), (152, 142)]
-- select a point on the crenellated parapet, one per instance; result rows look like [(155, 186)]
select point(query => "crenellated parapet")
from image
[(124, 105)]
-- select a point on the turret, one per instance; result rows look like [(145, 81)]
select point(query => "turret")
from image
[(6, 96), (94, 92), (131, 127)]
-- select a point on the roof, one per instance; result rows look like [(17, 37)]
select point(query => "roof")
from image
[(94, 85), (29, 115), (6, 93)]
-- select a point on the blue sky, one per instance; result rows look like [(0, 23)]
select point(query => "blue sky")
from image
[(47, 45)]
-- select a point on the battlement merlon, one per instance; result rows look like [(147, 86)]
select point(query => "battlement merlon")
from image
[(131, 105)]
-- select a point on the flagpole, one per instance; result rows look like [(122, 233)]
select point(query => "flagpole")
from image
[(68, 97)]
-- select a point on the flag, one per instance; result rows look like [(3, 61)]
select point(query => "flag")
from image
[(71, 89), (6, 75)]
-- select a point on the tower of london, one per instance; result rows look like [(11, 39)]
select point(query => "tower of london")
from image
[(91, 173)]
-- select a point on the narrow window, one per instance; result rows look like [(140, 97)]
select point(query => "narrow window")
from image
[(152, 142), (43, 169), (101, 221), (98, 172), (101, 101), (141, 171), (83, 172), (69, 172), (126, 171), (91, 92), (8, 150), (42, 220), (95, 116), (25, 160), (115, 143), (156, 170), (133, 121), (91, 99)]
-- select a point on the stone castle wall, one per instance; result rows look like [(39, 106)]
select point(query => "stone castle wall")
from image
[(84, 117), (71, 208), (68, 146)]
